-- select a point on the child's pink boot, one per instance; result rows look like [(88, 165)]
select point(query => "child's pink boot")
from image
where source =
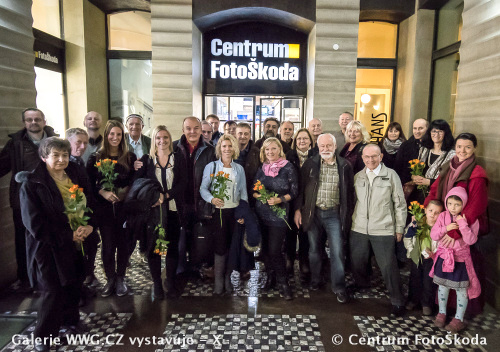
[(440, 320), (455, 326)]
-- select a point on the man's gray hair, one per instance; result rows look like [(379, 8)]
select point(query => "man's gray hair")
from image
[(205, 122), (74, 131), (327, 135)]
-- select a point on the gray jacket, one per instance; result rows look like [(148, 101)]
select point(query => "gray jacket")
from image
[(381, 208)]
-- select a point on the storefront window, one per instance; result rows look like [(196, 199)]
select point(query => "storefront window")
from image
[(131, 91), (377, 40), (373, 100), (449, 28), (50, 98), (46, 16), (130, 31), (444, 92)]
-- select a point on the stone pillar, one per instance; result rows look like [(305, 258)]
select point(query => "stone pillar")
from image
[(172, 39), (17, 92), (86, 64), (477, 106), (414, 67), (337, 22)]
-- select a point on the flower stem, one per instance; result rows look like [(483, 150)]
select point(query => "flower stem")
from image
[(287, 224), (83, 252), (220, 213)]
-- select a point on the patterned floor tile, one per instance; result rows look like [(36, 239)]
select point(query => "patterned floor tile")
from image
[(235, 332), (418, 333), (99, 325), (377, 289)]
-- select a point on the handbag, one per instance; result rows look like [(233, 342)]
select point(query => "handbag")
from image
[(204, 209), (408, 189)]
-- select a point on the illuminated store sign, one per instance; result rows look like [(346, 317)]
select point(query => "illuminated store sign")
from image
[(255, 58)]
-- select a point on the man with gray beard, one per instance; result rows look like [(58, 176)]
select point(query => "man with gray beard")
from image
[(325, 203)]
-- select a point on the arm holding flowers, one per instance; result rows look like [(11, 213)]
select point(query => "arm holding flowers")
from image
[(206, 181)]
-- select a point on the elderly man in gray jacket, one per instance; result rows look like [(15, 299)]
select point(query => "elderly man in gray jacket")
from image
[(377, 223)]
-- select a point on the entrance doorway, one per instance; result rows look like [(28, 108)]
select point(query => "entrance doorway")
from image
[(254, 109)]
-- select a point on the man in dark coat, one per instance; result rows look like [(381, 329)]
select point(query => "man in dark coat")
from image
[(325, 203), (409, 150), (249, 156), (21, 154), (195, 154), (271, 126)]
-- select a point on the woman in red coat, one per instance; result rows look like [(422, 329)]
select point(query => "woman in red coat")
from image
[(463, 171)]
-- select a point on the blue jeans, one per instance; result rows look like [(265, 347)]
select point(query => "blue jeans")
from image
[(329, 220)]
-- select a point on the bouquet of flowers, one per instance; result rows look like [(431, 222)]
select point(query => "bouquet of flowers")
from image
[(219, 188), (417, 169), (161, 243), (265, 195), (76, 208), (423, 233), (107, 169)]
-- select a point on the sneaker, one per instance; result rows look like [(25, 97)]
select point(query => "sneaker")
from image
[(426, 311), (109, 288), (455, 326), (440, 320), (121, 287), (341, 297)]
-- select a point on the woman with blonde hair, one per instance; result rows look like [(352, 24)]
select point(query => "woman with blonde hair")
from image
[(279, 176), (110, 214), (162, 166), (226, 151), (356, 137)]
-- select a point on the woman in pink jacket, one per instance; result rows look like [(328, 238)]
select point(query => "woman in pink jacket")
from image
[(452, 262)]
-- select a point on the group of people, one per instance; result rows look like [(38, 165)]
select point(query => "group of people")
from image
[(285, 190)]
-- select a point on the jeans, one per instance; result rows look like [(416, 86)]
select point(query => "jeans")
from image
[(329, 220)]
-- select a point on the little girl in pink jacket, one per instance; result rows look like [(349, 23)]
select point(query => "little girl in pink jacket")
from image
[(452, 261)]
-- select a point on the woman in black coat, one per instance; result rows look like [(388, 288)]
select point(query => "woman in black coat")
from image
[(55, 258), (110, 214), (163, 166)]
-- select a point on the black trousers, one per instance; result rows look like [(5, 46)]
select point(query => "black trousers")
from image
[(154, 260), (273, 239), (291, 244), (58, 305), (90, 247), (422, 288), (115, 242), (223, 232), (20, 242)]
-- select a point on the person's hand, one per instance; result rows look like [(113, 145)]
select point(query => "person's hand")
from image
[(160, 201), (447, 241), (274, 201), (399, 237), (137, 164), (416, 178), (241, 221), (109, 196), (84, 231), (256, 195), (452, 226), (167, 196), (461, 217), (429, 253), (297, 218), (219, 203)]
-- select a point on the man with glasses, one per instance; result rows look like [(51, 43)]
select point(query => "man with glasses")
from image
[(21, 154), (207, 130), (214, 121)]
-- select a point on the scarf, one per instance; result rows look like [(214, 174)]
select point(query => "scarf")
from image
[(302, 156), (273, 169), (392, 147), (455, 171)]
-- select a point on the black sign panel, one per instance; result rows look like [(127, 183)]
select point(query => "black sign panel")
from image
[(48, 55), (254, 58)]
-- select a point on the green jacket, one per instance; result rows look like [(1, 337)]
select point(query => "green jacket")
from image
[(146, 144), (381, 208)]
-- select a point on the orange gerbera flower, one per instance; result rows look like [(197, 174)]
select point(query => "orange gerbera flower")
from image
[(421, 206), (114, 161), (409, 207), (260, 187), (98, 163), (255, 188), (80, 189), (73, 196)]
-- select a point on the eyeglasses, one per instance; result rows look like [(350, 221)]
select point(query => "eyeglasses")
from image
[(437, 132), (37, 120)]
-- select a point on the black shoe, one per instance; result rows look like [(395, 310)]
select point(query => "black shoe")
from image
[(40, 347), (88, 280), (398, 311), (121, 286), (271, 281), (158, 293), (79, 329), (22, 286), (109, 288), (342, 297), (314, 287)]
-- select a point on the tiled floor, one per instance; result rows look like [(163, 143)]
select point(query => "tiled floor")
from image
[(252, 319)]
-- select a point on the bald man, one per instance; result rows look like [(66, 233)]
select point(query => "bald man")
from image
[(409, 150), (344, 120), (92, 122)]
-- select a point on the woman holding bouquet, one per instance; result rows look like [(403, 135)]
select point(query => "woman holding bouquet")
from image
[(54, 250), (162, 165), (279, 176), (224, 185), (110, 192)]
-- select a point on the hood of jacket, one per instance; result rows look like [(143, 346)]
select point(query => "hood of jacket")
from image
[(459, 192)]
